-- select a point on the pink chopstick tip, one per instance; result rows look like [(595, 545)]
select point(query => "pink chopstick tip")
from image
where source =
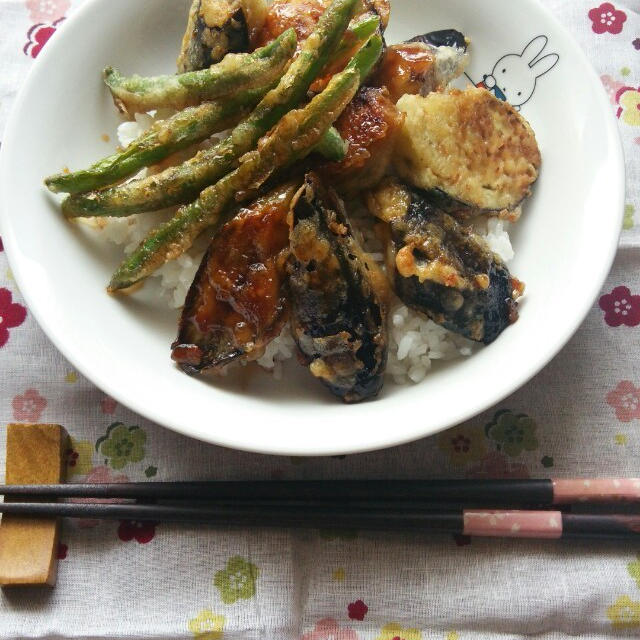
[(512, 524), (596, 490)]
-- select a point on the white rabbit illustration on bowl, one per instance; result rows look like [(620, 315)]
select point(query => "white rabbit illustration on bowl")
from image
[(514, 76)]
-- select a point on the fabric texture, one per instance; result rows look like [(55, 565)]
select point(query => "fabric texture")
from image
[(579, 417)]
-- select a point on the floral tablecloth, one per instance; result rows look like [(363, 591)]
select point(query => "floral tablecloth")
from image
[(579, 417)]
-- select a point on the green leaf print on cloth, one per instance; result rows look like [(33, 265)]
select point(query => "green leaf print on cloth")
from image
[(513, 433), (122, 445), (634, 570), (237, 581)]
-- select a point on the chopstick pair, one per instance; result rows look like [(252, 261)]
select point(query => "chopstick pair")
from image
[(427, 506)]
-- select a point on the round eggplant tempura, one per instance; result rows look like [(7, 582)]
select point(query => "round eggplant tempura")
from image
[(356, 212)]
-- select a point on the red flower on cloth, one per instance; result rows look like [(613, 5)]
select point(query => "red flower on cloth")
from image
[(357, 610), (620, 307), (12, 315), (62, 551), (625, 399), (29, 407), (1, 245), (47, 10), (606, 18), (329, 629), (38, 36), (143, 532)]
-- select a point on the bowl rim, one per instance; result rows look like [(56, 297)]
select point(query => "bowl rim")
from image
[(229, 438)]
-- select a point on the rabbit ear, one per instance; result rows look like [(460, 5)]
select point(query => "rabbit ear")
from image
[(544, 65), (534, 48)]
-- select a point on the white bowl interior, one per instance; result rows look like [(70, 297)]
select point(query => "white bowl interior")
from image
[(564, 243)]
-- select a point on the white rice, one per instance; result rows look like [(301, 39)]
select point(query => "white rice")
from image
[(414, 341)]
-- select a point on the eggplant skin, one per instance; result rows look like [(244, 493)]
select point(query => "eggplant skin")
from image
[(337, 297), (218, 27), (441, 268), (237, 304), (442, 38)]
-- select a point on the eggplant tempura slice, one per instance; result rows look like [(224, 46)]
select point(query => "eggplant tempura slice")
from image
[(469, 145), (442, 268), (218, 27), (236, 304), (369, 125), (338, 315)]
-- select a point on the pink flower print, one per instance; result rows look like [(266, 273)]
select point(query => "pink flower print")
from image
[(38, 36), (47, 10), (29, 407), (607, 19), (620, 307), (142, 532), (612, 86), (329, 629), (108, 405), (496, 465), (12, 315), (357, 610), (99, 475), (625, 399)]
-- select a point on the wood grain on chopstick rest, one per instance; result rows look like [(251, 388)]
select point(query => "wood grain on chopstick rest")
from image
[(28, 545)]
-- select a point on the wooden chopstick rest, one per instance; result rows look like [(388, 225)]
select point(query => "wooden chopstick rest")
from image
[(28, 546)]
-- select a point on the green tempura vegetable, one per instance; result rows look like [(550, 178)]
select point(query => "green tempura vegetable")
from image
[(183, 183), (236, 72), (294, 137)]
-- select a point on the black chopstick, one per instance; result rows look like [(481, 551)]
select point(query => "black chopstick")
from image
[(487, 523), (497, 493)]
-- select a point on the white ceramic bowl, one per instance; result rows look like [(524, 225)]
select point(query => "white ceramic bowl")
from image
[(564, 243)]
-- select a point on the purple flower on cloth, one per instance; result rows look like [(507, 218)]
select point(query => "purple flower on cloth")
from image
[(625, 399), (636, 44), (47, 10), (621, 307), (12, 315), (1, 245), (29, 407), (607, 19)]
